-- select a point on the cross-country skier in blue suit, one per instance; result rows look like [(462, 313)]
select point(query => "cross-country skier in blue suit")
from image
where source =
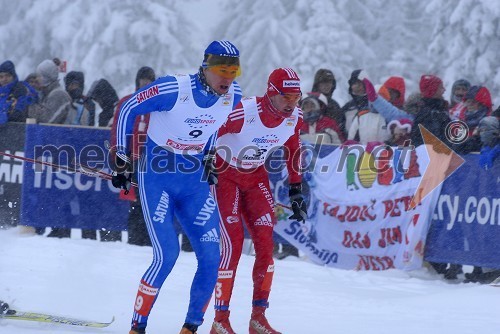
[(186, 110)]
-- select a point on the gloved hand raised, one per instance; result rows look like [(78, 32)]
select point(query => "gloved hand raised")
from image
[(299, 207), (122, 176), (370, 90), (209, 170)]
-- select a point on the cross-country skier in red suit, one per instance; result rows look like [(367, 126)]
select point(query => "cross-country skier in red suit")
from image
[(256, 127)]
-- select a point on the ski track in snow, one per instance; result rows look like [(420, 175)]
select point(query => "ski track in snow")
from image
[(94, 280)]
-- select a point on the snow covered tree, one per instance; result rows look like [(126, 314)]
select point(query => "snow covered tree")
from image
[(106, 39), (466, 41), (266, 33), (327, 40)]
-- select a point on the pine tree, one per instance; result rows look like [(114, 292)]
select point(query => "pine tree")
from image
[(466, 41)]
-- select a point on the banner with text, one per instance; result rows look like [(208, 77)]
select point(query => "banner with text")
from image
[(11, 172), (359, 209), (58, 198), (466, 224)]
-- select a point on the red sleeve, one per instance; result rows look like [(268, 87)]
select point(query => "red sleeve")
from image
[(293, 155), (234, 121), (115, 119)]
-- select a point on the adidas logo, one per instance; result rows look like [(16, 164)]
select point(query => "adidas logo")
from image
[(264, 221), (210, 236)]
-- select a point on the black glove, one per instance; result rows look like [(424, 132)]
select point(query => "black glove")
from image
[(299, 207), (209, 171), (122, 176), (4, 307)]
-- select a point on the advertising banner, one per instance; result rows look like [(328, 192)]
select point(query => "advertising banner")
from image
[(11, 172), (360, 209), (466, 224), (54, 197)]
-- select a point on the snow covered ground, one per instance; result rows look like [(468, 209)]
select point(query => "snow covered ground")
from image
[(96, 281)]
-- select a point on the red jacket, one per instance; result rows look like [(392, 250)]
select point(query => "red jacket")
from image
[(269, 120)]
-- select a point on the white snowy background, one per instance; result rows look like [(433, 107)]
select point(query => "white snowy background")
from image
[(96, 281), (112, 39)]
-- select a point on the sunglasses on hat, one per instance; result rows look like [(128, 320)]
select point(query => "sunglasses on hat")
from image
[(289, 97)]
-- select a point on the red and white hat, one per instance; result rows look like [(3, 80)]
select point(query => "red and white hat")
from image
[(404, 124), (283, 81)]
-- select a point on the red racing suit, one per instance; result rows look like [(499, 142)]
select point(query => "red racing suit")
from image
[(243, 193)]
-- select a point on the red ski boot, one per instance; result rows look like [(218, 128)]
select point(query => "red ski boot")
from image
[(221, 323), (258, 322)]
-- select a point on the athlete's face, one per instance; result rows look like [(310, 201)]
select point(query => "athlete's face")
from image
[(285, 103), (217, 82)]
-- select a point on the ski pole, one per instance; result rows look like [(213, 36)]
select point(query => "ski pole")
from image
[(284, 206), (85, 170)]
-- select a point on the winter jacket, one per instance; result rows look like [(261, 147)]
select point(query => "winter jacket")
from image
[(105, 95), (389, 111), (324, 125), (396, 83), (15, 98), (368, 126), (54, 106), (333, 109), (434, 117)]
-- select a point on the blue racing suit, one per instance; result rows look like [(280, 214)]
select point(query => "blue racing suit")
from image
[(184, 116)]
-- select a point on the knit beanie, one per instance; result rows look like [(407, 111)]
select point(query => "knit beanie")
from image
[(429, 85), (48, 72), (284, 81), (8, 67), (221, 52), (403, 123)]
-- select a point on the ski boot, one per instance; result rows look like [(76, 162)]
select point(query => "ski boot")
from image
[(137, 331), (221, 323), (258, 322), (188, 329)]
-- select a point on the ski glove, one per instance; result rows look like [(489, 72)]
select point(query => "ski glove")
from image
[(209, 170), (4, 307), (299, 207), (122, 176)]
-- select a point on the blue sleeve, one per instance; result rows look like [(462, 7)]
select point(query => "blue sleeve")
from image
[(237, 94), (388, 111), (160, 95)]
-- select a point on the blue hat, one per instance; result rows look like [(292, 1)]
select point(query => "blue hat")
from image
[(221, 49), (8, 67)]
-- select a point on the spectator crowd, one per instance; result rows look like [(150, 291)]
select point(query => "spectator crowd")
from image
[(389, 115)]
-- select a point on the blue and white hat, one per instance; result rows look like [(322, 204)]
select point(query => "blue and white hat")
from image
[(221, 52)]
